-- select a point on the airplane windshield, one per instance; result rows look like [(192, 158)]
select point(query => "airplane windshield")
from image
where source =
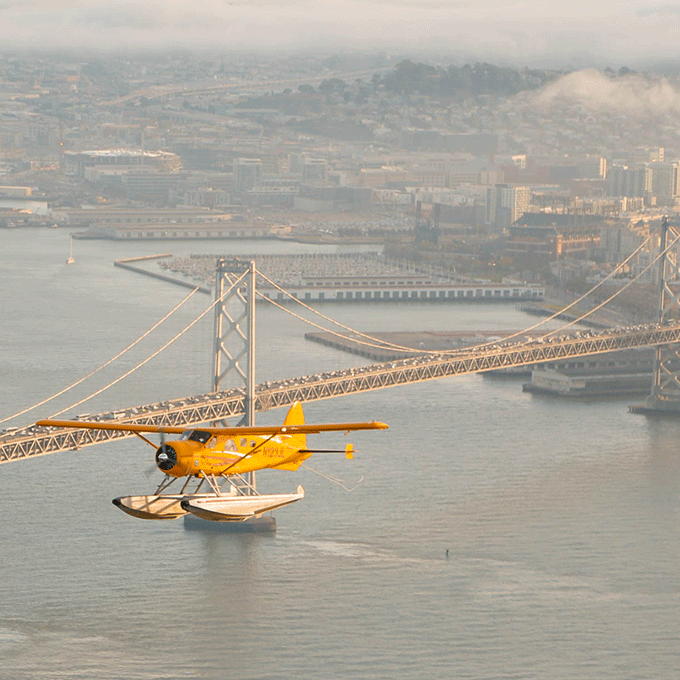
[(199, 436)]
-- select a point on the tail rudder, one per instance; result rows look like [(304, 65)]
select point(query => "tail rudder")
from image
[(296, 416)]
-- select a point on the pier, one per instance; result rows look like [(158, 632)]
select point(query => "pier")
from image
[(422, 341), (127, 264)]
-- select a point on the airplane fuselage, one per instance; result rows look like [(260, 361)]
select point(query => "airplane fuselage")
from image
[(199, 452)]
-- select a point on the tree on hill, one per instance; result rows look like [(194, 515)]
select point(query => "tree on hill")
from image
[(410, 78)]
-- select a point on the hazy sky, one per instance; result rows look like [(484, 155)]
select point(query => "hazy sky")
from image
[(567, 32)]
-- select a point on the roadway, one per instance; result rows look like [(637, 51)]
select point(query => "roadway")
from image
[(190, 411), (213, 87)]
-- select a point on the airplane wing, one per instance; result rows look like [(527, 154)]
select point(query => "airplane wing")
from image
[(227, 431)]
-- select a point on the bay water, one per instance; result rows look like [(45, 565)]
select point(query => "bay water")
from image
[(490, 533)]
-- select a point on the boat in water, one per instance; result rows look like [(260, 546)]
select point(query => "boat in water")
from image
[(70, 259)]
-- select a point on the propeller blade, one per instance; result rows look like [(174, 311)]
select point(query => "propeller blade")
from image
[(148, 472)]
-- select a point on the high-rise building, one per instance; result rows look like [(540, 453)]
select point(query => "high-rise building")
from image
[(662, 181), (623, 180), (247, 174), (505, 203), (314, 171)]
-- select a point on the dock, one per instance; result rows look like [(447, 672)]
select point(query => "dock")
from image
[(419, 341), (126, 264)]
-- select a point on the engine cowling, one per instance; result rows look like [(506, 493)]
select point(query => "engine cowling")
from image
[(167, 459)]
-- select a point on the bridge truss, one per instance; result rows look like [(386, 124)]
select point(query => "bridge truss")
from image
[(216, 406)]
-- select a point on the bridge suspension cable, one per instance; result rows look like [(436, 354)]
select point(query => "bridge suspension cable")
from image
[(152, 356), (583, 297), (384, 344), (620, 290), (377, 342), (105, 364)]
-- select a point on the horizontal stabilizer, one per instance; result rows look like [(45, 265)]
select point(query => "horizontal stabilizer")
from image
[(348, 451)]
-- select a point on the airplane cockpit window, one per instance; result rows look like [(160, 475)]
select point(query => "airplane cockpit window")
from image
[(211, 444), (199, 436), (230, 445), (185, 435)]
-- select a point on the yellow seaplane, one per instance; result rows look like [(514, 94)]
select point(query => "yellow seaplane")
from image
[(208, 456)]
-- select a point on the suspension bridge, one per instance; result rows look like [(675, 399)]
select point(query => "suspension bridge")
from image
[(234, 309)]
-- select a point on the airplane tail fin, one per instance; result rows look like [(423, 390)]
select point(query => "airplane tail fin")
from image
[(296, 417)]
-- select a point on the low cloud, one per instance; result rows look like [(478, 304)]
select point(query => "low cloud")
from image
[(632, 95)]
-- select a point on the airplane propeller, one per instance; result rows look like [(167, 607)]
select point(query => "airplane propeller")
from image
[(166, 456), (162, 457)]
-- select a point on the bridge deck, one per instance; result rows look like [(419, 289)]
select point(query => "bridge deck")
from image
[(33, 441)]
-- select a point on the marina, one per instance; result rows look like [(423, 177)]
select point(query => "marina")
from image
[(365, 277)]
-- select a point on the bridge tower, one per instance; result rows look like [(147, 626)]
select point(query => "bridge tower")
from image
[(234, 363), (665, 394), (234, 353)]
